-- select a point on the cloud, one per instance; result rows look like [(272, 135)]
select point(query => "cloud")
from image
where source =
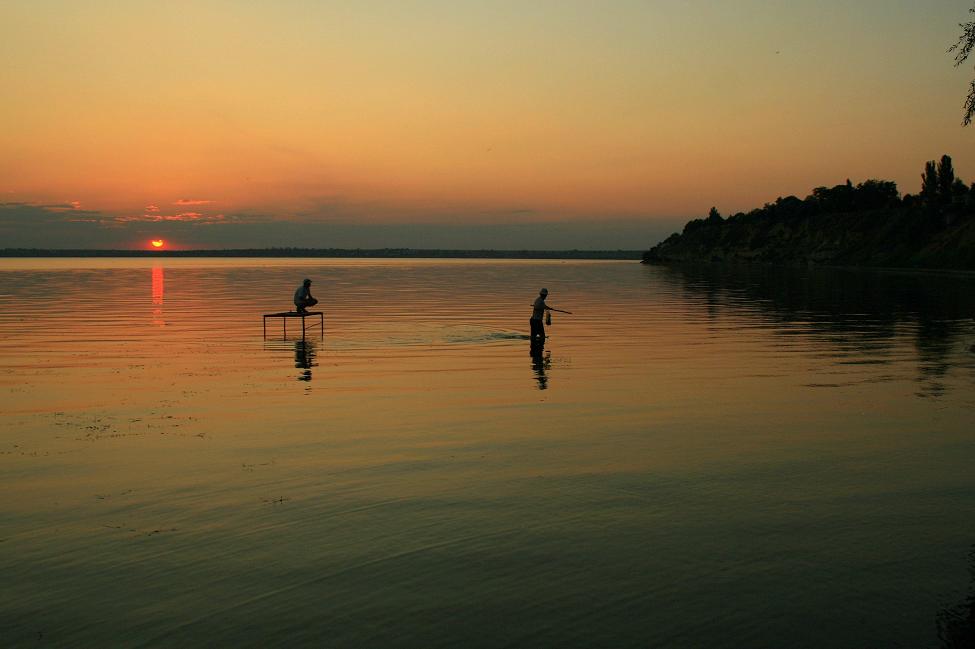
[(54, 207), (593, 233), (41, 210), (342, 210), (151, 208), (193, 201), (27, 225), (195, 217)]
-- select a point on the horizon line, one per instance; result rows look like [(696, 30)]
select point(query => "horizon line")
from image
[(619, 253)]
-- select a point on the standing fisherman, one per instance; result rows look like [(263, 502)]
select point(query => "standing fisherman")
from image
[(538, 312)]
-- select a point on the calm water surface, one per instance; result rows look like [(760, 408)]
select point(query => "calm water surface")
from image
[(699, 457)]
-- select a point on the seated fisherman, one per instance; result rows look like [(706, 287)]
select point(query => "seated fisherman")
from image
[(303, 298)]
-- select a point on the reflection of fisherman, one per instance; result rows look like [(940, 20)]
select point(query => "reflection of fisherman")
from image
[(540, 363), (538, 312), (304, 358), (303, 298)]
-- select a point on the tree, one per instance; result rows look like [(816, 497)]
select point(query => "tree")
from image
[(714, 216), (946, 178), (962, 49), (789, 206), (959, 190), (876, 194), (838, 198), (929, 182)]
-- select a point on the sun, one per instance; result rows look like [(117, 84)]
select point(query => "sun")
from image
[(157, 243)]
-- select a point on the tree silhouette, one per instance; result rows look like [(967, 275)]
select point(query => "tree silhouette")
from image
[(946, 178), (962, 49), (929, 182)]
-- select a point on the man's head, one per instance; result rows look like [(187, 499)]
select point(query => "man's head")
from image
[(543, 292), (307, 282)]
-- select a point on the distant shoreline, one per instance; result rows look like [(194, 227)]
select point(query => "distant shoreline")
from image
[(374, 253)]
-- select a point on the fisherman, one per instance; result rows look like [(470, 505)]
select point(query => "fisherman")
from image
[(538, 312), (303, 298)]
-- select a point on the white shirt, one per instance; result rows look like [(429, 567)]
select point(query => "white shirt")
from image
[(538, 308)]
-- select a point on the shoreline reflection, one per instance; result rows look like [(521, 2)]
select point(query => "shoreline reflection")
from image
[(852, 310)]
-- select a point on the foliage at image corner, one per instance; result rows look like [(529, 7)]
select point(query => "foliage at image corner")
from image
[(962, 49)]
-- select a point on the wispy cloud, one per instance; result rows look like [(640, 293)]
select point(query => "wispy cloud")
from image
[(32, 225), (152, 208), (51, 225), (193, 201), (49, 209), (195, 217), (186, 217), (52, 207)]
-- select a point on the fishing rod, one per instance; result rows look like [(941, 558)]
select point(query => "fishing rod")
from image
[(559, 310)]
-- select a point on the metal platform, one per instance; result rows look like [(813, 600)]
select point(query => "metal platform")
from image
[(284, 315)]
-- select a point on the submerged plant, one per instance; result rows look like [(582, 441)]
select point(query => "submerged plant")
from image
[(956, 624)]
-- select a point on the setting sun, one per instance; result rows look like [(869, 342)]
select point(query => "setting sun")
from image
[(157, 243)]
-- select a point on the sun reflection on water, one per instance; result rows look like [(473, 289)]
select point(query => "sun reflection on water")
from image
[(158, 288)]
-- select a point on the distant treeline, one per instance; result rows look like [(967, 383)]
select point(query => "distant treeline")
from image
[(333, 252), (868, 224)]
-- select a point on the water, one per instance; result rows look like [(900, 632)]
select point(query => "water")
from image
[(699, 457)]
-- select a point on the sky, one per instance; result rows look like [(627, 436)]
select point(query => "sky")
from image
[(457, 124)]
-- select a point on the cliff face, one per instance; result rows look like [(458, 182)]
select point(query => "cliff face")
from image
[(909, 237)]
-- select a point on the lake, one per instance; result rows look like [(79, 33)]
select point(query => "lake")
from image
[(699, 457)]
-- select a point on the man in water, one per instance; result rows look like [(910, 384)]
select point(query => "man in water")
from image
[(538, 313), (303, 298)]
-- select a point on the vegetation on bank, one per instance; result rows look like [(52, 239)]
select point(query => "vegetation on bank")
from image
[(868, 224), (392, 253)]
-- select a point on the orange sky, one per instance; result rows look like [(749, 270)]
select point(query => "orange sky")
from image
[(438, 114)]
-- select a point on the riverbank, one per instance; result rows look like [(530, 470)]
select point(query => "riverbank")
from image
[(866, 225), (893, 238)]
